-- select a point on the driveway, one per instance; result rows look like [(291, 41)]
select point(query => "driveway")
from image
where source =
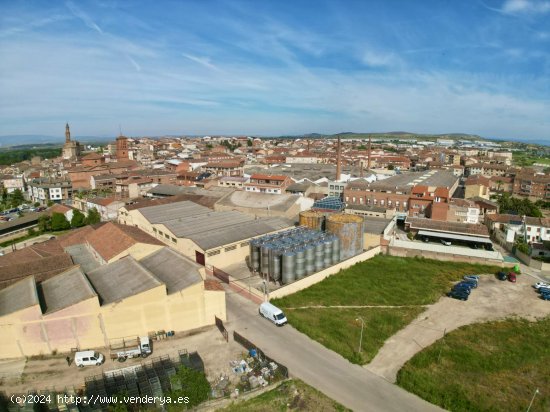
[(349, 384), (492, 300)]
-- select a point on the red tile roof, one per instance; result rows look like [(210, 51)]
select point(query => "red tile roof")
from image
[(112, 239)]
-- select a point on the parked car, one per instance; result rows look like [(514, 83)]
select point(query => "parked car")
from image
[(512, 277), (545, 296), (502, 276), (446, 242), (458, 295), (272, 313), (88, 358), (476, 277), (539, 285), (544, 290), (425, 239), (462, 288)]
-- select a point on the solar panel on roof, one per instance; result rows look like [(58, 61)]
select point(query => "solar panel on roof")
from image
[(330, 203)]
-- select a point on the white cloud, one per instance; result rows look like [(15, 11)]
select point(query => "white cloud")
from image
[(83, 16), (204, 61), (526, 6), (380, 59)]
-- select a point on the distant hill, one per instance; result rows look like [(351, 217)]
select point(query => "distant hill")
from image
[(12, 140), (388, 135)]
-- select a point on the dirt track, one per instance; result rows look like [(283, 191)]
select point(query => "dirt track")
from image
[(492, 300)]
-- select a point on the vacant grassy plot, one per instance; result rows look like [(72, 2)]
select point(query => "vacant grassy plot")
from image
[(385, 280), (290, 395), (493, 366), (338, 330)]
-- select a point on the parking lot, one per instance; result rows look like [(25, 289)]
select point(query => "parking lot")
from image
[(52, 372), (492, 300)]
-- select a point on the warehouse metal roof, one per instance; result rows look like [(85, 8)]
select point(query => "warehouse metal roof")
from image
[(174, 270), (237, 232), (19, 296), (210, 229), (171, 211), (64, 290), (121, 279), (455, 236), (255, 200)]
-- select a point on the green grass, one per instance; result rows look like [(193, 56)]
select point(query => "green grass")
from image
[(380, 281), (385, 280), (289, 395), (492, 366), (338, 330), (528, 159)]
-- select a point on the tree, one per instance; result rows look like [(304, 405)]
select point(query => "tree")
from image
[(93, 216), (50, 203), (391, 167), (4, 195), (17, 198), (36, 204), (249, 143), (194, 386), (44, 224), (78, 219), (59, 222)]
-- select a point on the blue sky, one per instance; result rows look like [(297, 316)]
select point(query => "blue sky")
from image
[(275, 67)]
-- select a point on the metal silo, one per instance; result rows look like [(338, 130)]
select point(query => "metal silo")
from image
[(275, 264), (300, 263), (327, 245), (335, 249), (254, 255), (349, 229), (288, 267), (264, 259), (310, 259), (312, 219), (319, 256)]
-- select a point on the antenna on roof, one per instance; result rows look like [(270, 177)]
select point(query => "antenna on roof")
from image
[(119, 130)]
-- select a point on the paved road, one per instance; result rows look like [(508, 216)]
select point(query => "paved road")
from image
[(351, 385)]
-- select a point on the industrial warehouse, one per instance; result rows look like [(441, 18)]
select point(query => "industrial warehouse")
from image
[(146, 291)]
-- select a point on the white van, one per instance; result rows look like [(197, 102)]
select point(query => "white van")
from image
[(88, 358), (273, 313)]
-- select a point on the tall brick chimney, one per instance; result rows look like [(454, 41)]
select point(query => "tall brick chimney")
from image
[(338, 161), (368, 161)]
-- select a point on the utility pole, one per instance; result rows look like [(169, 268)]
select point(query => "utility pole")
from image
[(532, 399), (361, 338)]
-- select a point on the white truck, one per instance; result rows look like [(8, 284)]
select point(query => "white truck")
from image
[(130, 348)]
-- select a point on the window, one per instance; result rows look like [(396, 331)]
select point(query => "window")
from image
[(382, 202), (166, 236), (213, 252), (174, 240), (244, 244), (155, 230), (229, 248)]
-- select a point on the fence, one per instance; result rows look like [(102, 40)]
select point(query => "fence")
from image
[(221, 328), (249, 345)]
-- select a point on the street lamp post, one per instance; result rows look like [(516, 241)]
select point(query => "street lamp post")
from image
[(361, 338)]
